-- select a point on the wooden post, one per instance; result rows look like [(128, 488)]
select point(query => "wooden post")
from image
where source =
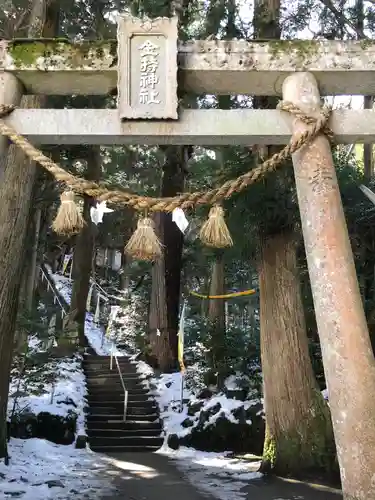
[(10, 93), (348, 360)]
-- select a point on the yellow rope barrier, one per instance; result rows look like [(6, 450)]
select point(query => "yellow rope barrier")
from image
[(226, 296)]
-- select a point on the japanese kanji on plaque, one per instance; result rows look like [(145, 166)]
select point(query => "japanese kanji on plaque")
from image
[(147, 68)]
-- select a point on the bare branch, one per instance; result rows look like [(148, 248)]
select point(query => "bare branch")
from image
[(344, 21)]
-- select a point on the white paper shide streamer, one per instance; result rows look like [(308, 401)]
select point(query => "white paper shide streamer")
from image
[(179, 219), (96, 213)]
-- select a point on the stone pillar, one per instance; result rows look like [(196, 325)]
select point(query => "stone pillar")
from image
[(10, 93), (348, 360)]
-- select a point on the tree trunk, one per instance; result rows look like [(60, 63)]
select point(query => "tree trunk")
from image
[(124, 275), (10, 93), (299, 430), (15, 194), (84, 250), (125, 259), (367, 278), (166, 274), (160, 354), (32, 268), (216, 307), (28, 280), (299, 434), (216, 317), (173, 183), (367, 148)]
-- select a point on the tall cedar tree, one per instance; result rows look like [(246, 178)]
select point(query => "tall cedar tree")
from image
[(84, 248), (15, 195), (166, 272), (299, 434)]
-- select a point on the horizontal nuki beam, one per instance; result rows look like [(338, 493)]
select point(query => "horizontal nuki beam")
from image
[(219, 67), (200, 127)]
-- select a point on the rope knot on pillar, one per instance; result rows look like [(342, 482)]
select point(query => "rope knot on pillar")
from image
[(318, 124), (6, 109)]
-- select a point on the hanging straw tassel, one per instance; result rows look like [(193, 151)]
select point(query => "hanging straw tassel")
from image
[(68, 219), (144, 244), (214, 232)]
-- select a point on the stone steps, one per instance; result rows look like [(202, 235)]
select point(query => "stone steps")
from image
[(92, 364), (125, 449), (128, 425), (113, 391), (108, 396), (118, 409), (126, 441), (116, 433), (131, 404), (111, 374), (106, 430), (115, 384), (109, 417)]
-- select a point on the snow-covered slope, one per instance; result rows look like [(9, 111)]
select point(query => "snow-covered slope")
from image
[(41, 470)]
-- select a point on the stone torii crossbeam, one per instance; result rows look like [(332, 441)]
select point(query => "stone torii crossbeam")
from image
[(57, 67), (145, 67)]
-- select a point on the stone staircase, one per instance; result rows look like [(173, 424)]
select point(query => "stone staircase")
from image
[(106, 430)]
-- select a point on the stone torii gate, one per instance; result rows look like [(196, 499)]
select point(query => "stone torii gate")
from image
[(145, 66)]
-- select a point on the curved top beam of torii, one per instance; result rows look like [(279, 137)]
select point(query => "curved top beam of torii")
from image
[(60, 67), (147, 66)]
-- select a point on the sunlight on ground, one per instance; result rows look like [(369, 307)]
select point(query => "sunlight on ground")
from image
[(133, 468), (214, 473)]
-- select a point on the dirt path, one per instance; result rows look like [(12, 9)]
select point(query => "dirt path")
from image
[(151, 476)]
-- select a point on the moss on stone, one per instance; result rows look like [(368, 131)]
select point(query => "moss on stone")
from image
[(306, 448), (302, 49), (54, 53), (60, 52), (367, 43), (26, 53)]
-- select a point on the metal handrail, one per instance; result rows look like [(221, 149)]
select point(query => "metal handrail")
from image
[(126, 394), (50, 284), (113, 355)]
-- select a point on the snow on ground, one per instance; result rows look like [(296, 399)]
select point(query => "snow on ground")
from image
[(40, 470), (215, 473), (101, 344), (67, 392)]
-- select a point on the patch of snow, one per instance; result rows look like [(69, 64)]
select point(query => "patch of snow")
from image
[(231, 383), (227, 406), (67, 393), (102, 344), (40, 470), (63, 285), (96, 337), (167, 391)]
